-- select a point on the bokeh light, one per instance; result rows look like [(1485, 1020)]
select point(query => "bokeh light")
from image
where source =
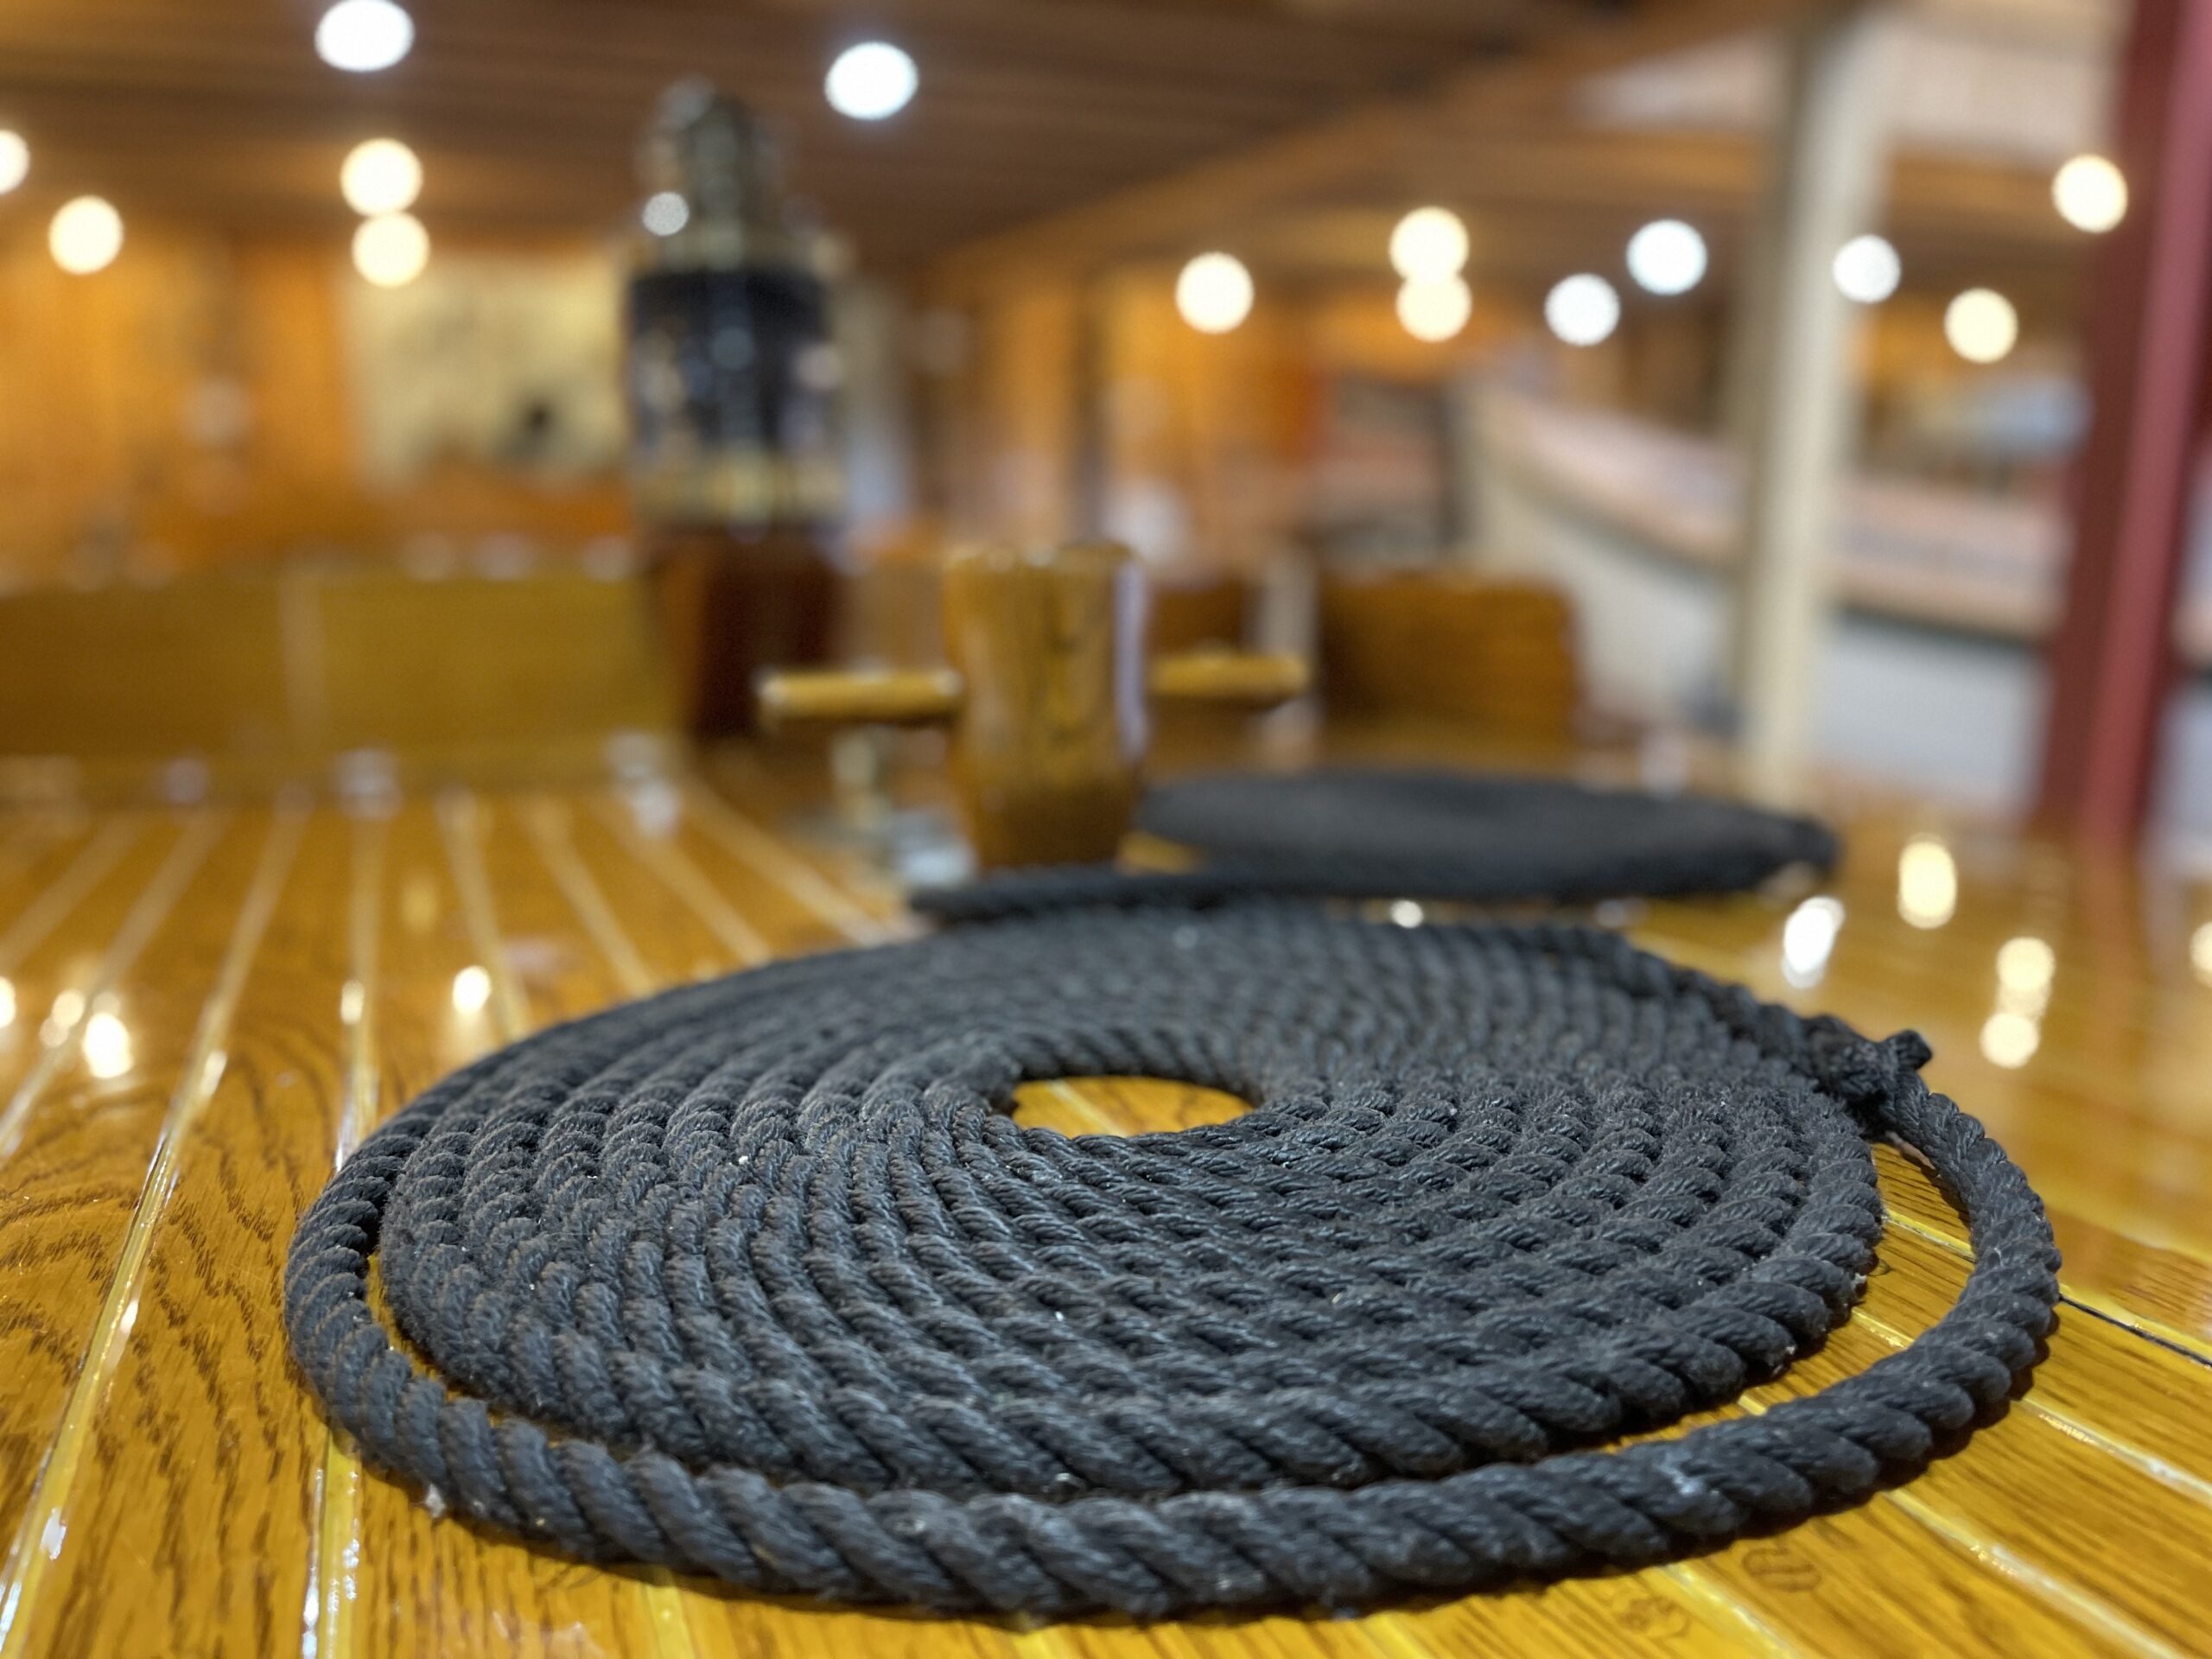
[(1667, 257), (665, 212), (1928, 882), (1582, 309), (1981, 325), (1214, 293), (363, 35), (380, 176), (1428, 246), (2091, 193), (871, 81), (1435, 310), (391, 249), (86, 235), (14, 160), (1868, 269)]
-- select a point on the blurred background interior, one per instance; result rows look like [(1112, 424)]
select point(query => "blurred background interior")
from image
[(464, 388)]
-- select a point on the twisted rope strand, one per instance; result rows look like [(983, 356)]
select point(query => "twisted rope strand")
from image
[(756, 1279)]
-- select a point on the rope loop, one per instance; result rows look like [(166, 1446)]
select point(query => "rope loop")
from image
[(757, 1278)]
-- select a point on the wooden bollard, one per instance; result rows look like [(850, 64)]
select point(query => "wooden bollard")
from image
[(1045, 699)]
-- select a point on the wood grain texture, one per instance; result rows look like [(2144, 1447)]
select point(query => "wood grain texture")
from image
[(286, 979)]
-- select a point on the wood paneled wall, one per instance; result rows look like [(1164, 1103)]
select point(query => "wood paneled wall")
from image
[(188, 408)]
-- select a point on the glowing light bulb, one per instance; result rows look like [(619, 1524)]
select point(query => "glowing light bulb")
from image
[(1868, 269), (1428, 244), (1667, 257), (665, 212), (1214, 293), (1928, 882), (1582, 309), (381, 175), (85, 236), (871, 81), (2091, 193), (2200, 951), (363, 35), (472, 991), (1435, 310), (1981, 325), (14, 160), (391, 249)]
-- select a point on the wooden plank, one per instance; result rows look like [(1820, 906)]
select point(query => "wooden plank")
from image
[(2164, 1296), (184, 1467), (80, 1128)]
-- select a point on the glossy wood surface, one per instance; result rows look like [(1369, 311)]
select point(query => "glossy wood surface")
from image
[(206, 1009)]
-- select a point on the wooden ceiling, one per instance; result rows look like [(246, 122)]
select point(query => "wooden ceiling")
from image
[(527, 112)]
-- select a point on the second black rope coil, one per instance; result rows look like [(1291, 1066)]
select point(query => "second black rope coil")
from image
[(757, 1278), (1380, 833)]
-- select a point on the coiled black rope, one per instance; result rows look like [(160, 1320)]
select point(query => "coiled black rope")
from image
[(1361, 833), (756, 1278)]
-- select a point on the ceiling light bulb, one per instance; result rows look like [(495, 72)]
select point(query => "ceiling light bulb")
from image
[(363, 35), (1435, 310), (2091, 193), (1582, 309), (380, 176), (391, 249), (1981, 325), (86, 235), (1428, 244), (1667, 257), (1866, 269), (14, 160), (1214, 293), (871, 80)]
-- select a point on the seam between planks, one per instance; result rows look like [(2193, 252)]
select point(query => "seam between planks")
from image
[(2087, 1611), (327, 1626), (140, 924), (2145, 1463), (2094, 1303), (688, 883), (547, 823), (44, 913), (751, 845)]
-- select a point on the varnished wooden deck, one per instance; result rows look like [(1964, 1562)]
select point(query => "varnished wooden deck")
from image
[(206, 1009)]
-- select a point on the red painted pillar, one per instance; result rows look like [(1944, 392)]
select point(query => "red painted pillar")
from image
[(2113, 660)]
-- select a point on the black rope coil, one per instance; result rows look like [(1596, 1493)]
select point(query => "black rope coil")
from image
[(756, 1278), (1383, 833)]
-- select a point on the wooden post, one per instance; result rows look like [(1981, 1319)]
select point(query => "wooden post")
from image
[(1830, 149), (2113, 659), (1046, 696)]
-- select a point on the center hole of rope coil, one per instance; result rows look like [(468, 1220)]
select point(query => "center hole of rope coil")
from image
[(1120, 1105)]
